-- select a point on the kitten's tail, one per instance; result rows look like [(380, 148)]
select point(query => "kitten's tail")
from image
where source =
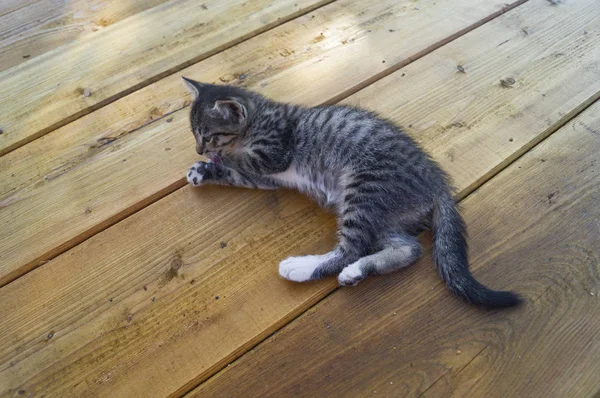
[(450, 256)]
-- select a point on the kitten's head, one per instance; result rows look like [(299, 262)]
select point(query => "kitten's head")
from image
[(219, 117)]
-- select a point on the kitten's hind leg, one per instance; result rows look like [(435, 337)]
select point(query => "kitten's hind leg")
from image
[(301, 269), (357, 235), (398, 252), (306, 268)]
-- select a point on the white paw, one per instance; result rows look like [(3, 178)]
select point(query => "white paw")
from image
[(351, 275), (300, 269), (196, 173)]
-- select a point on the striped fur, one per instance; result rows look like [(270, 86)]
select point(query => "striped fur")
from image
[(384, 189)]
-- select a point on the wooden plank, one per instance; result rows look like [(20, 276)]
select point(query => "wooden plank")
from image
[(8, 6), (37, 27), (535, 228), (172, 248), (75, 79), (49, 189), (460, 88)]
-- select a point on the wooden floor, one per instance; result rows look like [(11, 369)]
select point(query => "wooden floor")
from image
[(119, 280)]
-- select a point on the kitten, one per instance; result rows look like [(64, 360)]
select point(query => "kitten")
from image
[(384, 189)]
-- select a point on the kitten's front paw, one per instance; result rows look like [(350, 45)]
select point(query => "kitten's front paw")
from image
[(199, 172)]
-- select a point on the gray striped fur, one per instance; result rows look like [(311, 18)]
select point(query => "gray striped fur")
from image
[(384, 189)]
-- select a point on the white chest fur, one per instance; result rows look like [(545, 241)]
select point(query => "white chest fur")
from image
[(292, 179), (315, 188)]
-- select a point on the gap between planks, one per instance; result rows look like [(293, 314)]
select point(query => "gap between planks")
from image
[(460, 196), (543, 130), (463, 194), (331, 312), (47, 24), (114, 219), (460, 370), (162, 75)]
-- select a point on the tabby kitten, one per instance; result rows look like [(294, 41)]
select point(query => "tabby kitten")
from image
[(384, 189)]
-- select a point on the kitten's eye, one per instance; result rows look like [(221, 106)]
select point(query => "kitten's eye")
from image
[(211, 140)]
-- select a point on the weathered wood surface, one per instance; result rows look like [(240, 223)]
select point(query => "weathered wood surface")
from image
[(534, 228), (66, 186), (165, 298), (64, 84), (36, 27)]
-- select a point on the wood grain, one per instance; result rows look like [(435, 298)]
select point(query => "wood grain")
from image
[(8, 6), (40, 26), (108, 332), (534, 228), (66, 186), (86, 323), (65, 84), (551, 58)]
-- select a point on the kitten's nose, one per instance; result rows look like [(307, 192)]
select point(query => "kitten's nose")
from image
[(200, 149)]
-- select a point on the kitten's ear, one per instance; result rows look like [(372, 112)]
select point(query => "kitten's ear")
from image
[(193, 86), (232, 110)]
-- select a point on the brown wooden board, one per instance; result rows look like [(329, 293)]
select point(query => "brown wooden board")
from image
[(65, 84), (36, 27), (534, 228), (165, 298), (66, 186)]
